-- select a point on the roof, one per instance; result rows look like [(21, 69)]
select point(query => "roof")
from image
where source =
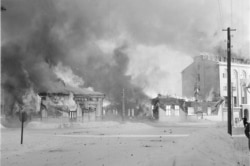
[(75, 90)]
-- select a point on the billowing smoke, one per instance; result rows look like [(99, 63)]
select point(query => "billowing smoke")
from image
[(112, 45), (67, 76), (42, 57)]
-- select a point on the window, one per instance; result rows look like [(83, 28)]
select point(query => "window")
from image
[(244, 75), (224, 74), (224, 88), (225, 97), (177, 110), (243, 100), (235, 101), (168, 110), (235, 75), (198, 77)]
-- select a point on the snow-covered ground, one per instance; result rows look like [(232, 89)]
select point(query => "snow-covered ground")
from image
[(113, 143)]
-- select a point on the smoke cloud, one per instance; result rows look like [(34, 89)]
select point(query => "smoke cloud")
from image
[(140, 46)]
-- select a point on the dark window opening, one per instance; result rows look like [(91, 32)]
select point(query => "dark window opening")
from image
[(235, 101)]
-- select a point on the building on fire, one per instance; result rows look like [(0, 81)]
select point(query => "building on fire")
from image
[(169, 108), (72, 102), (206, 80)]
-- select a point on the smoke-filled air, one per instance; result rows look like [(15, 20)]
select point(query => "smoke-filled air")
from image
[(110, 45)]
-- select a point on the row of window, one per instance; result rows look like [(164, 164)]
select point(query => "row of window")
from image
[(235, 74), (225, 88), (235, 101), (172, 111)]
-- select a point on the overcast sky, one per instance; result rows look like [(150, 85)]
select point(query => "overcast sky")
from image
[(160, 37)]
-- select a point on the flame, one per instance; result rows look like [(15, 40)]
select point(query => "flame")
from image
[(106, 103), (91, 89), (67, 76), (31, 101), (70, 102)]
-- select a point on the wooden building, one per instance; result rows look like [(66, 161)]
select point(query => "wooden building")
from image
[(72, 102)]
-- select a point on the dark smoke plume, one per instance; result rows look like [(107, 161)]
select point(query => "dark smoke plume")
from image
[(32, 50), (160, 36)]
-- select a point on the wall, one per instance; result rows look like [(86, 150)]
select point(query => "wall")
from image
[(209, 83), (237, 87), (218, 117), (188, 81), (203, 74), (164, 118)]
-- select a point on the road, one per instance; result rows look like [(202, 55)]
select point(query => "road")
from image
[(116, 144)]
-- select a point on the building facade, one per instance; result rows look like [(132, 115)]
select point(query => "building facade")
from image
[(73, 103), (206, 80)]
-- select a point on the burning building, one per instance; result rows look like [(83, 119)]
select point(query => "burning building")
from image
[(168, 108), (72, 102)]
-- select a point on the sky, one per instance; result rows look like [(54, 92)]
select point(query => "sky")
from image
[(139, 45)]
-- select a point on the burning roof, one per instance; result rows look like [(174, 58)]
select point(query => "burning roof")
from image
[(66, 90)]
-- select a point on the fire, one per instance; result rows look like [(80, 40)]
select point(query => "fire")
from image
[(67, 76), (30, 102), (106, 103), (70, 102)]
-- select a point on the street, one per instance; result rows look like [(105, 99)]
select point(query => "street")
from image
[(113, 143)]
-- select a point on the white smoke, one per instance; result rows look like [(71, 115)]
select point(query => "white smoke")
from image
[(84, 34), (160, 69), (67, 76)]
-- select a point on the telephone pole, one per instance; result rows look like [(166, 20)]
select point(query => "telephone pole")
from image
[(229, 105)]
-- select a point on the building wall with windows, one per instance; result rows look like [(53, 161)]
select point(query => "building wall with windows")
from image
[(206, 78), (239, 72)]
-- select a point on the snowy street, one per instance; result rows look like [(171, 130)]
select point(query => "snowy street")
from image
[(113, 143)]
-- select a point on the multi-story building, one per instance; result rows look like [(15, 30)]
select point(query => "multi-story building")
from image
[(206, 79)]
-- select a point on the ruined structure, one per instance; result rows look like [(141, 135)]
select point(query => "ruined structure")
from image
[(72, 102), (167, 108)]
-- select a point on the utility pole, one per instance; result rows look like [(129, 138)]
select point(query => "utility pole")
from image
[(123, 104), (229, 105)]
